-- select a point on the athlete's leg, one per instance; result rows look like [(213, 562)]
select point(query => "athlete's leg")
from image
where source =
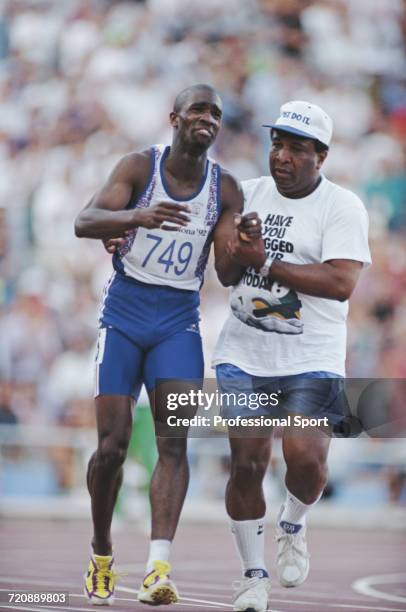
[(176, 366), (118, 370), (178, 363), (105, 472), (169, 485), (118, 379)]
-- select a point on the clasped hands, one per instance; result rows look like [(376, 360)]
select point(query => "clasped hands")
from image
[(247, 246)]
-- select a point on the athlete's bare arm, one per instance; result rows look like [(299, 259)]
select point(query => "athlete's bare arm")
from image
[(105, 215), (229, 270), (334, 279)]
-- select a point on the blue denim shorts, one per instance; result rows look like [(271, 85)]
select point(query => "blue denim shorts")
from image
[(312, 394)]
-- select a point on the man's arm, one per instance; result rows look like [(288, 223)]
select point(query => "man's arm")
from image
[(229, 270), (105, 217), (334, 279)]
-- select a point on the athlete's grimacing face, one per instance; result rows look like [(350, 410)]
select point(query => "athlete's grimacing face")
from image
[(199, 119), (294, 163)]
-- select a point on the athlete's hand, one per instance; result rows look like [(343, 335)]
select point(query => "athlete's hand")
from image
[(113, 244), (249, 226), (165, 215)]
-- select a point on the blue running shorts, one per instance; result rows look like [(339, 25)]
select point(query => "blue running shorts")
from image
[(147, 333)]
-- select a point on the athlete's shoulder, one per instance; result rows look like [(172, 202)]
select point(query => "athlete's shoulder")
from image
[(229, 183), (138, 159), (231, 194), (134, 167), (228, 179)]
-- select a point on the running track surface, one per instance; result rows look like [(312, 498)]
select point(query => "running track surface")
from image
[(356, 570)]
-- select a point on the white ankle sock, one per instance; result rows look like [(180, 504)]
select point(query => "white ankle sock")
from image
[(158, 551), (249, 538), (295, 510)]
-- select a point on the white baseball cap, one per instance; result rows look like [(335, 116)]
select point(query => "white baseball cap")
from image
[(305, 119)]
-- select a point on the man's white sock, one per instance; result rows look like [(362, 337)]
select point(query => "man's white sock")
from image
[(294, 511), (249, 538), (159, 550)]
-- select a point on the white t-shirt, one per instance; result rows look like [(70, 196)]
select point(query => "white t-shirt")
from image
[(277, 331)]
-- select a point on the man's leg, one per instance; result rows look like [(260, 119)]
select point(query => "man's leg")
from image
[(169, 484), (176, 366), (249, 461), (245, 504), (168, 489), (118, 367), (306, 476), (104, 477), (306, 464), (105, 472)]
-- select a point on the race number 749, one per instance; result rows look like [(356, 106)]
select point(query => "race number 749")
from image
[(175, 254)]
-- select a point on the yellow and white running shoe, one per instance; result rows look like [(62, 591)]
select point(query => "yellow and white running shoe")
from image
[(100, 580), (157, 588)]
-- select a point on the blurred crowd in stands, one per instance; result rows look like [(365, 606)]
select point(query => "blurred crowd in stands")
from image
[(84, 82)]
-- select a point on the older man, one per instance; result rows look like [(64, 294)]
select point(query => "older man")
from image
[(286, 334)]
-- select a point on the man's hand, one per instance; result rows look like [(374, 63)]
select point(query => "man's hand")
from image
[(164, 215), (249, 226), (247, 250)]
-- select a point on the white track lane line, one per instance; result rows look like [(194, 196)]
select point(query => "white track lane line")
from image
[(49, 608), (364, 586), (182, 599), (185, 566), (37, 582), (197, 603), (3, 606), (92, 609), (383, 579), (353, 606), (204, 603), (277, 591)]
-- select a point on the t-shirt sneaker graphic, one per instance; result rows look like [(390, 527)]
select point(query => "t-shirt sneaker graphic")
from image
[(277, 310)]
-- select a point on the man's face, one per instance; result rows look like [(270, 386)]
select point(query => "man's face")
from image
[(294, 163), (199, 119)]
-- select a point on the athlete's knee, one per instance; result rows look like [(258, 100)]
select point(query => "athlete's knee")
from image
[(111, 453), (172, 449)]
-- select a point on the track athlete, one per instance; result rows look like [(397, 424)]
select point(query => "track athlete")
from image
[(166, 205)]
